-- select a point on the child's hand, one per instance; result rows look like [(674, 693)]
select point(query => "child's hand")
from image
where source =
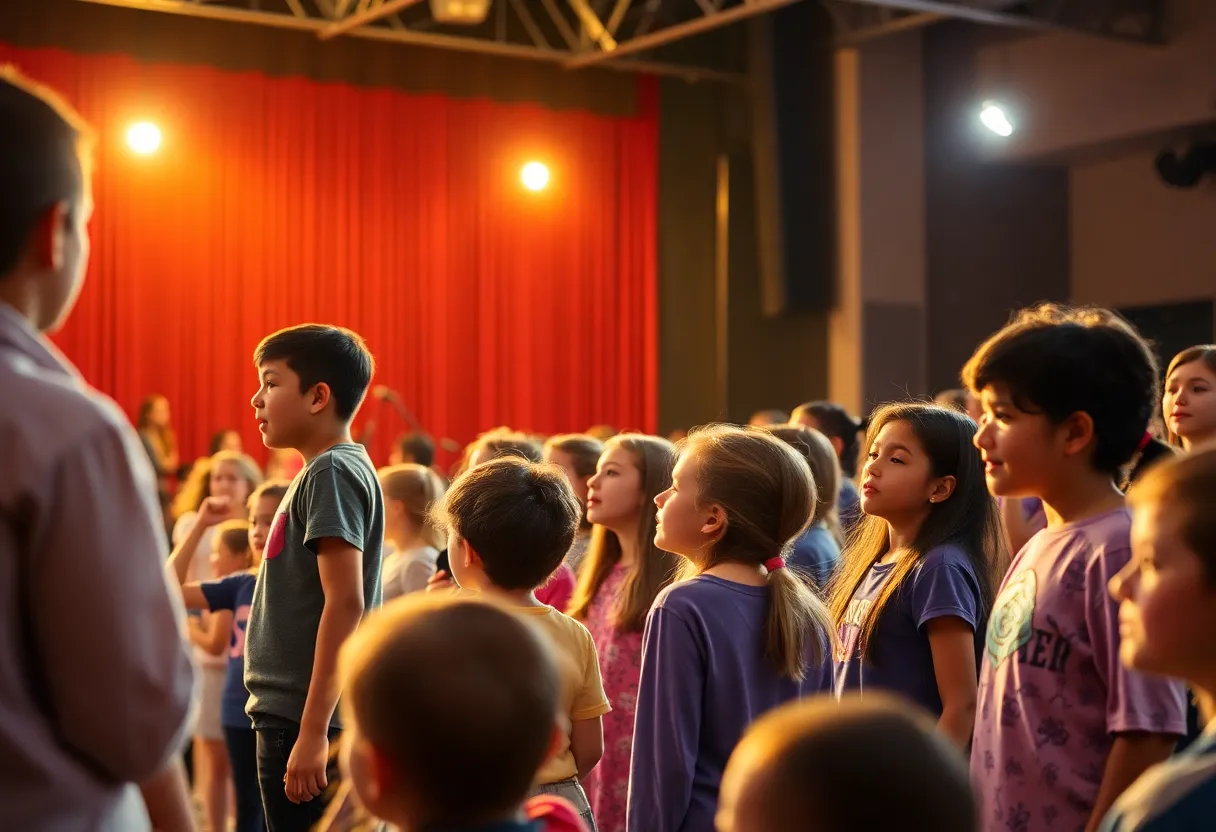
[(214, 510), (305, 777), (440, 581)]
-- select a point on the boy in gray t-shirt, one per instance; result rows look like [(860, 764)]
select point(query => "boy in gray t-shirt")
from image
[(321, 572)]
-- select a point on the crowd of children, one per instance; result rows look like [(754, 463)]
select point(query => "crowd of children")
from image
[(614, 633)]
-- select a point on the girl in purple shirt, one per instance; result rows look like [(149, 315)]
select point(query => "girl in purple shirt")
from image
[(915, 585), (737, 636)]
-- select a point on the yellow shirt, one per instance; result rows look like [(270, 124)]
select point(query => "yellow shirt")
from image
[(583, 694)]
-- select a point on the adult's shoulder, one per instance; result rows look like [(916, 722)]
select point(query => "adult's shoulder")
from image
[(49, 419)]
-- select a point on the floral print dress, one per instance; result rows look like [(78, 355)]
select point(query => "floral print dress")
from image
[(620, 655)]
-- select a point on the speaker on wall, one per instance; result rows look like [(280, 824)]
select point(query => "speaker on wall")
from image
[(791, 66)]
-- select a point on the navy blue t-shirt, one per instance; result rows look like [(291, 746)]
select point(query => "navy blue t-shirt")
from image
[(943, 584), (815, 553), (233, 592)]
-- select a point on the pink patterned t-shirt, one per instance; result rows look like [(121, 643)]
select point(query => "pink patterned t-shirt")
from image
[(1052, 691)]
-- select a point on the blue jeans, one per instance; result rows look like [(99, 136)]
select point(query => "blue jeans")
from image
[(243, 757), (274, 749)]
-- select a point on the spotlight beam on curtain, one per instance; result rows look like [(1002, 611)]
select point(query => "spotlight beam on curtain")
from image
[(277, 201)]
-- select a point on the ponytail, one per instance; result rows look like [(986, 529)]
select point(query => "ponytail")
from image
[(767, 492), (795, 617)]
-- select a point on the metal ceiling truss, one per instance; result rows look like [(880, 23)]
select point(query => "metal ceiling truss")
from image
[(1138, 21), (570, 33), (582, 33)]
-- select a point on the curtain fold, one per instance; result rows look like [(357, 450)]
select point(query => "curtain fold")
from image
[(278, 201)]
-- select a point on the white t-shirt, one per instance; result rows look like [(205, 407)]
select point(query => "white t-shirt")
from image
[(408, 571)]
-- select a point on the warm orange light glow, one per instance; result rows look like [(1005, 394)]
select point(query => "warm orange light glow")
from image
[(144, 138), (535, 176)]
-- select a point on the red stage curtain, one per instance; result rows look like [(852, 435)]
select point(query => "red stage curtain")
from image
[(278, 201)]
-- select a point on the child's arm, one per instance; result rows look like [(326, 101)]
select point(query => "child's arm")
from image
[(340, 566), (215, 636), (952, 643), (667, 725), (587, 743), (1130, 756), (212, 511)]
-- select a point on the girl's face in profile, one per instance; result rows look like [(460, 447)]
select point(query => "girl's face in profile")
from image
[(683, 527), (260, 521), (1189, 402), (614, 495)]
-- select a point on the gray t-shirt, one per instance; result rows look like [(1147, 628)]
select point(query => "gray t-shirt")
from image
[(335, 495)]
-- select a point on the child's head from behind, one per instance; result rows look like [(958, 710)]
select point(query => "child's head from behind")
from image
[(231, 550), (741, 496), (46, 200), (409, 492), (510, 522), (1189, 403), (263, 505), (819, 454), (922, 479), (834, 422), (312, 380), (631, 472), (795, 766), (502, 442), (1065, 392), (1168, 589), (417, 448), (460, 744)]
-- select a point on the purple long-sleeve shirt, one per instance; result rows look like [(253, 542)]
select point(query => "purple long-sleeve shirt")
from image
[(95, 677), (705, 677)]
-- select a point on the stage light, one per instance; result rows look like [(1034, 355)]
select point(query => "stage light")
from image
[(992, 116), (144, 138), (535, 176)]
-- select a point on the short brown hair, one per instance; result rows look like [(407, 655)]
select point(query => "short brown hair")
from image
[(798, 760), (271, 489), (468, 736), (1186, 483), (520, 517)]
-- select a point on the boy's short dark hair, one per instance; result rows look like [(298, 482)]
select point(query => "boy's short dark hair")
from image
[(520, 517), (43, 155), (1057, 360), (419, 447), (799, 760), (468, 735), (319, 353)]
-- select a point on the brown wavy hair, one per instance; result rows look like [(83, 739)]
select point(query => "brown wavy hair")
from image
[(655, 569)]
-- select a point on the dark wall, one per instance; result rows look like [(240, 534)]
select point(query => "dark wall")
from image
[(771, 361), (997, 236)]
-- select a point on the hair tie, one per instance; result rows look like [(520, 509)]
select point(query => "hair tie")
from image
[(1144, 440), (773, 564)]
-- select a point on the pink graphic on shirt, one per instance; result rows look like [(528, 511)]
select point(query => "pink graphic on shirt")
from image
[(277, 537)]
